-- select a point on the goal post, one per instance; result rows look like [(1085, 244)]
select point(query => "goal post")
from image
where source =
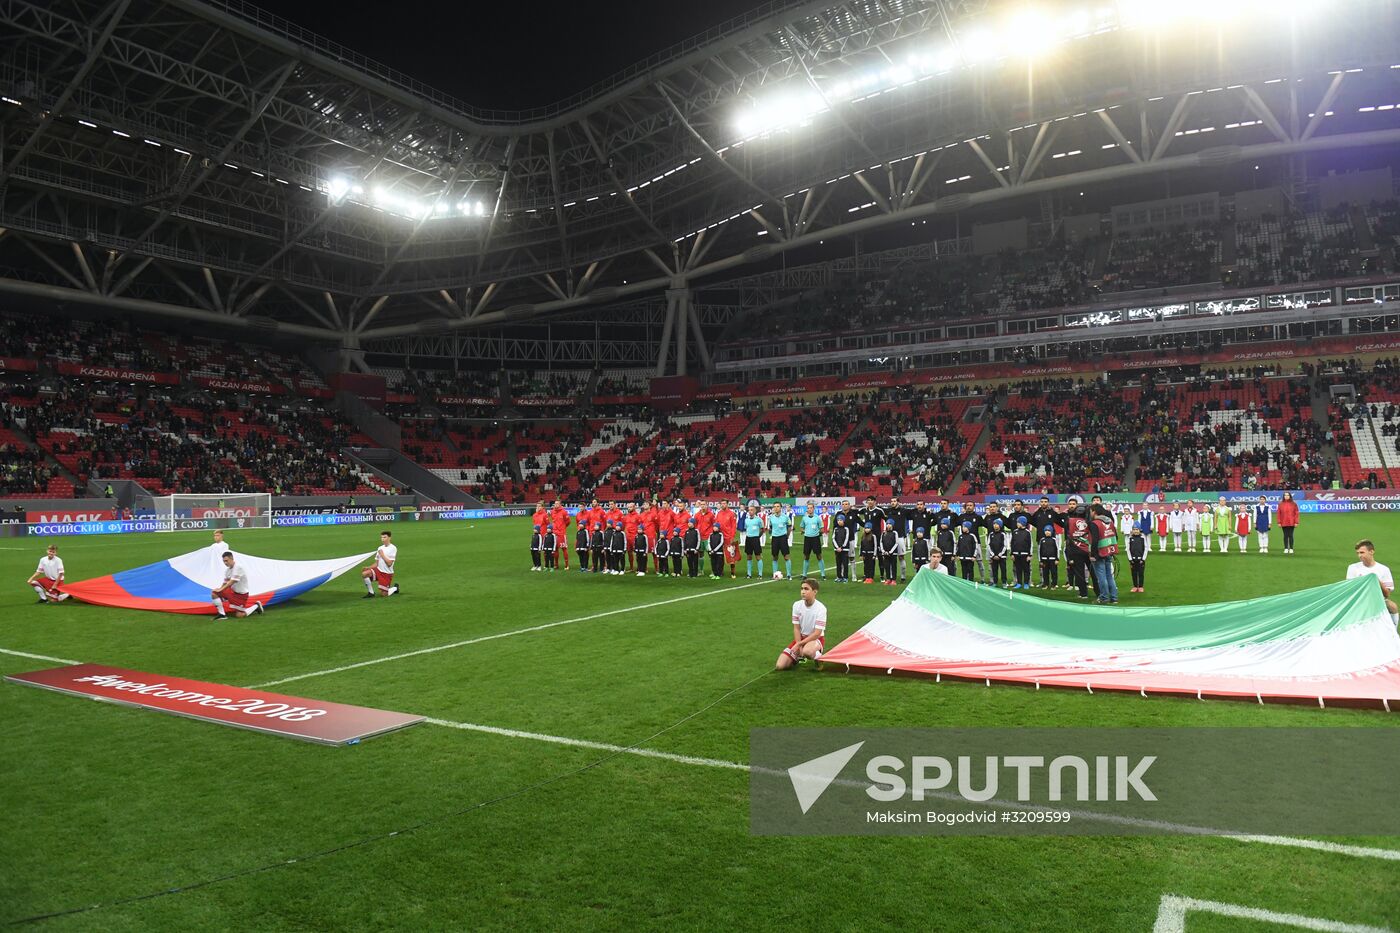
[(222, 509)]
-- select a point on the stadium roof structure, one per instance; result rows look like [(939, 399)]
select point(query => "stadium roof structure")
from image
[(212, 161)]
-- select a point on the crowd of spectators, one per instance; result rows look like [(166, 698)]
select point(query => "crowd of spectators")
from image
[(192, 444)]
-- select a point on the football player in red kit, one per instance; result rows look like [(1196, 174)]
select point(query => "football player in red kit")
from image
[(631, 521), (559, 518)]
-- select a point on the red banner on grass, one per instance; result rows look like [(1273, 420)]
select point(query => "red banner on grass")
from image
[(117, 374), (241, 707)]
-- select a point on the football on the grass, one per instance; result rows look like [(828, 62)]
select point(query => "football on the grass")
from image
[(777, 575)]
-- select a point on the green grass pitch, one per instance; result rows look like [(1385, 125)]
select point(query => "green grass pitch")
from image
[(103, 803)]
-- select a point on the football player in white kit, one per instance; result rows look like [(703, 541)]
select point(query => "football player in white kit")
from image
[(808, 629), (48, 577), (1367, 565), (381, 573)]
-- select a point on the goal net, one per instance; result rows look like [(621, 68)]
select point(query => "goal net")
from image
[(221, 509)]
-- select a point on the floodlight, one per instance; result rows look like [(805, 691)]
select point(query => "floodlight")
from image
[(978, 45), (337, 188)]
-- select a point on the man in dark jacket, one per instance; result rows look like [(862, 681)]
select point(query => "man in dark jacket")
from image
[(944, 511), (1044, 515)]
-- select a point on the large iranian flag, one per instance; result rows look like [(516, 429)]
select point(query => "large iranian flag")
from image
[(1333, 642)]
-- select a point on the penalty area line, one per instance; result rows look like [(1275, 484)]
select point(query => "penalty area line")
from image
[(1318, 845), (521, 631), (1172, 911)]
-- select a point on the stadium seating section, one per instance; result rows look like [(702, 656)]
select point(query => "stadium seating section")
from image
[(530, 435)]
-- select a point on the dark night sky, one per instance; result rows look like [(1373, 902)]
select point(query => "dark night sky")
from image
[(511, 55)]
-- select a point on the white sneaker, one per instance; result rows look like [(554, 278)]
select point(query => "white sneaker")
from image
[(640, 574)]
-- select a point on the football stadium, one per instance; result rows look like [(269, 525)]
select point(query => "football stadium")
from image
[(856, 464)]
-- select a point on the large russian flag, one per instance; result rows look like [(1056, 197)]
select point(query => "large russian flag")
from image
[(182, 584), (1333, 642)]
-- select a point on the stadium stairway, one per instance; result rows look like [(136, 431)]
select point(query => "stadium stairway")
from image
[(390, 465), (1365, 240), (855, 430), (16, 434), (1130, 470), (1320, 417), (955, 485), (513, 458)]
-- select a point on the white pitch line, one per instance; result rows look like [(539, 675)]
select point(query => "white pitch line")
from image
[(38, 657), (1171, 917), (520, 631), (1331, 848)]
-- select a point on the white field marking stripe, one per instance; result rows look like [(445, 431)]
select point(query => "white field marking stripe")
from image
[(520, 631), (1171, 916), (37, 657), (1331, 848)]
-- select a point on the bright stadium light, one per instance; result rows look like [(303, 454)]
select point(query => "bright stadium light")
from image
[(1030, 34), (979, 45), (338, 187)]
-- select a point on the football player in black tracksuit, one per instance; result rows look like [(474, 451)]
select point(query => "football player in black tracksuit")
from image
[(969, 514), (548, 546), (889, 542), (716, 547), (641, 546), (692, 549), (581, 546), (1049, 558), (924, 519), (536, 541), (873, 516), (968, 549), (1044, 515), (918, 552), (997, 548), (841, 543), (677, 551), (944, 511), (902, 517), (1021, 546), (868, 553)]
